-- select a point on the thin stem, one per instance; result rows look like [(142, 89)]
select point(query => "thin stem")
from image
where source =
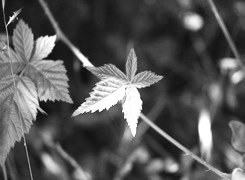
[(226, 34), (15, 90), (85, 62), (4, 172), (184, 149), (28, 158)]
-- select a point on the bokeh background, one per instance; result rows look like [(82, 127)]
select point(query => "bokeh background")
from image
[(202, 91)]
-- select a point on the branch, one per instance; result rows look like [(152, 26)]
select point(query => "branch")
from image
[(86, 62), (62, 37)]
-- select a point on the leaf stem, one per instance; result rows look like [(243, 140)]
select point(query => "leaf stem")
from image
[(226, 34), (86, 62)]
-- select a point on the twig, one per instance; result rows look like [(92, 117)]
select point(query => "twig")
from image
[(86, 62), (226, 34), (62, 37)]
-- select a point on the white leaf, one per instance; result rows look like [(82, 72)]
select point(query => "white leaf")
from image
[(145, 78), (105, 94), (43, 47), (132, 107), (50, 78), (131, 65), (108, 71), (23, 40)]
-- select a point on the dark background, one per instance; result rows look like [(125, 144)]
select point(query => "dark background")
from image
[(104, 31)]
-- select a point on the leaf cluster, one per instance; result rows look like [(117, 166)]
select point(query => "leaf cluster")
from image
[(25, 78)]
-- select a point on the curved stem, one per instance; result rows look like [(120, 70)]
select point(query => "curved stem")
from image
[(86, 62)]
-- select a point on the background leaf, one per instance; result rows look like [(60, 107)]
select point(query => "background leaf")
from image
[(108, 71), (238, 134), (132, 107), (17, 111), (43, 47), (23, 40), (145, 78), (51, 80), (105, 94), (131, 65)]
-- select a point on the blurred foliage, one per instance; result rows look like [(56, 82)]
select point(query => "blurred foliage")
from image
[(194, 78)]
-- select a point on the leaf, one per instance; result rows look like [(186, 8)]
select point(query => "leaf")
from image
[(145, 78), (105, 94), (238, 134), (43, 47), (107, 71), (23, 40), (115, 86), (132, 107), (131, 65), (28, 98), (5, 68), (17, 111), (50, 79)]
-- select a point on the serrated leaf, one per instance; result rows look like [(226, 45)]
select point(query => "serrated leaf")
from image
[(51, 80), (28, 98), (23, 40), (132, 107), (145, 78), (131, 65), (17, 111), (238, 134), (43, 47), (108, 71), (105, 94), (5, 68)]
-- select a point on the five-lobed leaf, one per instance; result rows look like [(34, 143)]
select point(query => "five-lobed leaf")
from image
[(107, 94), (34, 79)]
